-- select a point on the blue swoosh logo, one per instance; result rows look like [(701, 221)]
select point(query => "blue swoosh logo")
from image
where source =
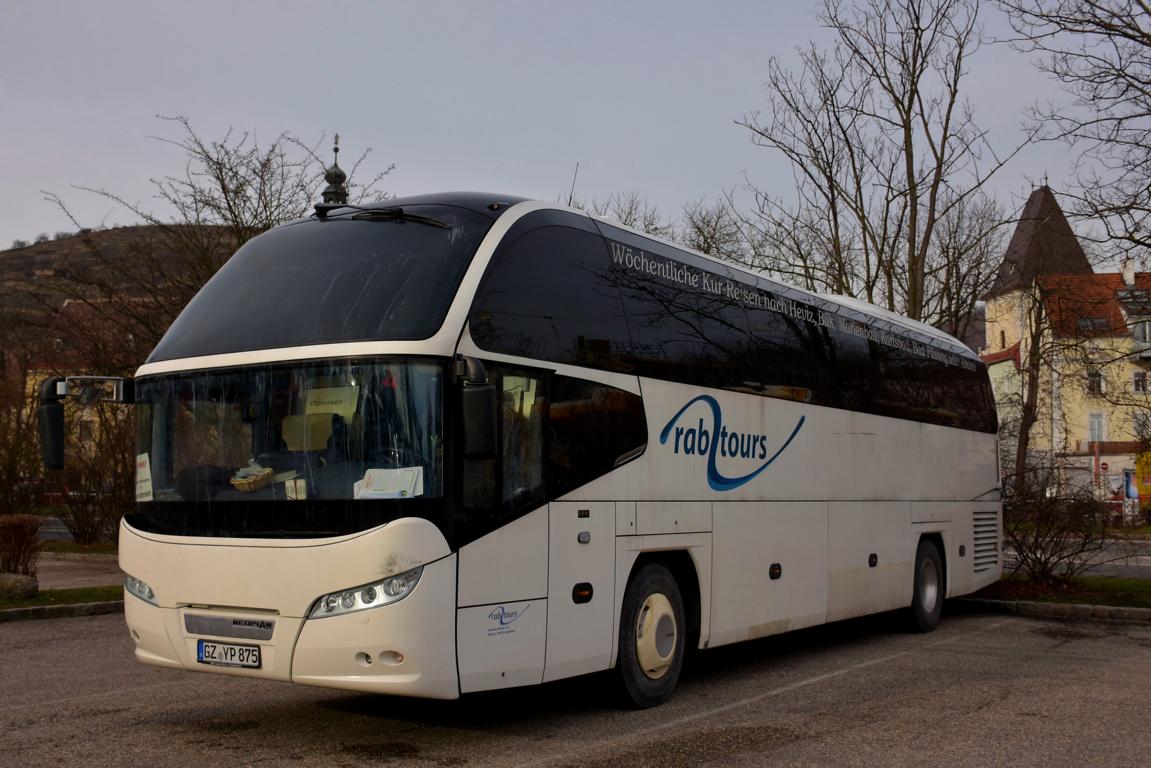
[(504, 616), (717, 480)]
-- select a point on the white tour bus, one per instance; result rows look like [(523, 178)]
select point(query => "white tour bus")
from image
[(460, 442)]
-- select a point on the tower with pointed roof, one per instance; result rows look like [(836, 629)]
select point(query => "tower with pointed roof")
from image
[(1043, 244)]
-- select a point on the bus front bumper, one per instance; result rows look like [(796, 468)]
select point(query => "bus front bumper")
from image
[(405, 648)]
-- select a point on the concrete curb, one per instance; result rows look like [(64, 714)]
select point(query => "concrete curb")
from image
[(61, 611), (99, 557), (1038, 610)]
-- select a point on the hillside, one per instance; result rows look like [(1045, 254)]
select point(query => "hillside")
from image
[(108, 294), (79, 257)]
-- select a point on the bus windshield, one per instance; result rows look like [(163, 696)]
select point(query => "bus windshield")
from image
[(322, 437), (356, 277)]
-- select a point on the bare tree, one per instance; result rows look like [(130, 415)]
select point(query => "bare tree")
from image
[(1100, 50), (1038, 360), (718, 230), (883, 148), (1056, 538), (631, 210), (230, 191), (962, 262), (815, 120)]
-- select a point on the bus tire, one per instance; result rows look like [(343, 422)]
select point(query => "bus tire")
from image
[(929, 587), (651, 637)]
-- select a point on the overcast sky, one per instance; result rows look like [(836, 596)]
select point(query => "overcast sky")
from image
[(498, 96)]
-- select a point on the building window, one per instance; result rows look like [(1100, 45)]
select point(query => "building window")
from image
[(1095, 427), (1142, 427), (1093, 324), (1094, 383), (1002, 340), (1141, 330), (1139, 383)]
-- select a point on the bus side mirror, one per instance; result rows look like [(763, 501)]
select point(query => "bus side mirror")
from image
[(479, 415), (50, 424)]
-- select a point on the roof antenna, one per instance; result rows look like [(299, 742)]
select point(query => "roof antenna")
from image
[(336, 193), (571, 194)]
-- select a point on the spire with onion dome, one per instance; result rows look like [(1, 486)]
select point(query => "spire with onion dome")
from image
[(335, 193)]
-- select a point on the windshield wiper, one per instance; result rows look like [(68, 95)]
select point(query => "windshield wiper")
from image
[(398, 214), (380, 214)]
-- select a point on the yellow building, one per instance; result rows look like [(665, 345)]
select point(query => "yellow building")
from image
[(1077, 343)]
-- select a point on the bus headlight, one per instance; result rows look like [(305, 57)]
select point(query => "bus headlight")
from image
[(141, 590), (389, 590)]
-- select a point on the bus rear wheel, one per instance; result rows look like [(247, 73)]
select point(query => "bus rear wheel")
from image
[(651, 637), (929, 587)]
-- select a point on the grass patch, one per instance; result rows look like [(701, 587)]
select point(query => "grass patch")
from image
[(1093, 590), (49, 511), (66, 597), (72, 548)]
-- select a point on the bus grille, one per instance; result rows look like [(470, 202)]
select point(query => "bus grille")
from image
[(986, 526)]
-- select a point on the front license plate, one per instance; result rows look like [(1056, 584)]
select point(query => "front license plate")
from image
[(227, 654)]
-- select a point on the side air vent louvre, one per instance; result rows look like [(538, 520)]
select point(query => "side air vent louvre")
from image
[(986, 549)]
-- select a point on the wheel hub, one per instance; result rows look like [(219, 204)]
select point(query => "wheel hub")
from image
[(928, 585), (655, 636)]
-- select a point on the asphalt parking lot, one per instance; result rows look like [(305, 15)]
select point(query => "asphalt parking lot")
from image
[(985, 689)]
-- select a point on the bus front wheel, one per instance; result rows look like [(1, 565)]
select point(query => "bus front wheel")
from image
[(929, 587), (651, 637)]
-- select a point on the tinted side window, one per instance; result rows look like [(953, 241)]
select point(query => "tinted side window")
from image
[(558, 292), (548, 295), (967, 397), (854, 368), (793, 359), (592, 429), (694, 337), (495, 491), (522, 408), (692, 320)]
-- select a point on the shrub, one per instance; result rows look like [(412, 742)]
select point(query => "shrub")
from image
[(19, 544), (1055, 538)]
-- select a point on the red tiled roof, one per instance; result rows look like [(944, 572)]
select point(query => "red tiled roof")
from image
[(1088, 305), (1011, 353)]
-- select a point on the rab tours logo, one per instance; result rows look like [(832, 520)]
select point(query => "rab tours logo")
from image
[(722, 441), (502, 619)]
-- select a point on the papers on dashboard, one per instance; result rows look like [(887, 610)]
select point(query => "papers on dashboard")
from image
[(390, 483)]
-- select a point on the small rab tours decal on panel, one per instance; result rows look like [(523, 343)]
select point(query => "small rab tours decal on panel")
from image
[(502, 619), (722, 441)]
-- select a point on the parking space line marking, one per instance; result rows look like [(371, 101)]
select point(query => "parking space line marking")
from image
[(820, 678), (766, 695)]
